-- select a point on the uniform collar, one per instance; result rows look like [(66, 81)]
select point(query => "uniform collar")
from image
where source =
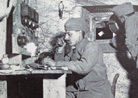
[(81, 43)]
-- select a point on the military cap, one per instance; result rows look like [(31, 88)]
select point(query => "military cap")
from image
[(123, 9), (74, 24)]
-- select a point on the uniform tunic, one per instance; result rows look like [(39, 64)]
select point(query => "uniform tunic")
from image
[(87, 64), (131, 32)]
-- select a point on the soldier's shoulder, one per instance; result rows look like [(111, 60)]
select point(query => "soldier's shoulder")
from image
[(92, 44)]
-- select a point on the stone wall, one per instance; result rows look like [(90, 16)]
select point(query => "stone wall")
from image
[(114, 67), (49, 20)]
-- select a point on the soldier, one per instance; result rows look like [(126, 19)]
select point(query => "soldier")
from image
[(85, 61), (129, 19)]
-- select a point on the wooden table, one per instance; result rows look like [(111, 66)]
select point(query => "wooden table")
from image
[(33, 84)]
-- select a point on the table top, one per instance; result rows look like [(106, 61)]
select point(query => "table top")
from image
[(26, 72)]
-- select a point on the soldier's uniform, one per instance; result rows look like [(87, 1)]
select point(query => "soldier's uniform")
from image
[(130, 27), (86, 63)]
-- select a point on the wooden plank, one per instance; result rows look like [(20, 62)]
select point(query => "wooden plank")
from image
[(55, 88)]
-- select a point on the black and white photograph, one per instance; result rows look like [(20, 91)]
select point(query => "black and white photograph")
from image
[(68, 48)]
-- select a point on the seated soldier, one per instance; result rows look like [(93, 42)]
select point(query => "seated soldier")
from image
[(85, 61)]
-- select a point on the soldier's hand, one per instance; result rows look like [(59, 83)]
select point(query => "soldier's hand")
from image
[(61, 42), (61, 45), (48, 62)]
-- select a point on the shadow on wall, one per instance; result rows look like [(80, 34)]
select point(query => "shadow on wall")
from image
[(129, 64)]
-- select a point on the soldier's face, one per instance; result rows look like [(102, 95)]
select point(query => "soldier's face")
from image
[(73, 37)]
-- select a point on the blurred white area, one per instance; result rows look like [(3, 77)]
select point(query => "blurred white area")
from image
[(101, 33), (31, 48)]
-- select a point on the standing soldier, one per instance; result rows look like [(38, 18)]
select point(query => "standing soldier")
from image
[(129, 19)]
